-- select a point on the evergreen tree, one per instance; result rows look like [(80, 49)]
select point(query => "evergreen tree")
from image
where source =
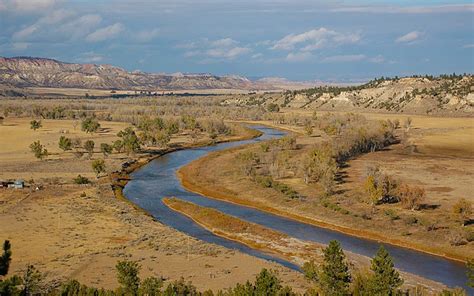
[(5, 258), (335, 277), (65, 144), (386, 278), (267, 283), (127, 276)]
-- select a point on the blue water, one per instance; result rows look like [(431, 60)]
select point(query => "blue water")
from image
[(158, 179)]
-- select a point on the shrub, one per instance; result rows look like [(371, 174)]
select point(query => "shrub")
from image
[(65, 144), (38, 150), (411, 197), (81, 180), (90, 125), (35, 124), (462, 210), (98, 166)]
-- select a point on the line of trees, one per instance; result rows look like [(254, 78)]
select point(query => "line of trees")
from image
[(331, 278)]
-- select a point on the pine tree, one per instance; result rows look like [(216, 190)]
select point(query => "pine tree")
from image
[(335, 277), (127, 276), (5, 258), (386, 278)]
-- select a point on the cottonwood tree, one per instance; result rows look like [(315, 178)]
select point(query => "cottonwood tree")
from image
[(65, 144), (35, 124), (98, 166), (130, 141), (6, 257), (386, 279), (90, 125), (411, 196), (38, 150), (334, 278), (89, 147), (106, 149), (462, 210)]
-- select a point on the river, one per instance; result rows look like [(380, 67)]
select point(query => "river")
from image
[(158, 179)]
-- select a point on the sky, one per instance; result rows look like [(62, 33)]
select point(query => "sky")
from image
[(330, 40)]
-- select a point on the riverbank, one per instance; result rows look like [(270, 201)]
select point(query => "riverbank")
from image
[(250, 234), (195, 179)]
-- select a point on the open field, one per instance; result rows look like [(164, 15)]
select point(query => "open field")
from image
[(81, 231), (443, 168)]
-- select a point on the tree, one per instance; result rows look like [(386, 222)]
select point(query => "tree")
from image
[(335, 277), (90, 125), (463, 210), (267, 283), (98, 166), (127, 276), (310, 270), (106, 149), (6, 257), (411, 197), (130, 142), (35, 124), (151, 287), (65, 144), (386, 278), (118, 146), (373, 191), (89, 147), (38, 150), (162, 138), (32, 281), (272, 107)]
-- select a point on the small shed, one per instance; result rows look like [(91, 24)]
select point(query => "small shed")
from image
[(19, 184)]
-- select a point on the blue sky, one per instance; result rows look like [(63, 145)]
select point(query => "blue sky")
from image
[(294, 39)]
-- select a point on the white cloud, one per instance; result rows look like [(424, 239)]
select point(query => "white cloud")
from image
[(31, 5), (298, 56), (221, 49), (81, 26), (226, 42), (378, 59), (257, 55), (227, 53), (26, 32), (468, 46), (147, 35), (315, 39), (105, 33), (409, 37), (52, 18), (406, 10), (19, 46), (344, 58), (90, 57)]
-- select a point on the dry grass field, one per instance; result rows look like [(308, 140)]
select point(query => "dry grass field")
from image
[(81, 231), (17, 161), (443, 164)]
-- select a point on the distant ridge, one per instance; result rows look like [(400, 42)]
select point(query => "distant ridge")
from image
[(44, 72)]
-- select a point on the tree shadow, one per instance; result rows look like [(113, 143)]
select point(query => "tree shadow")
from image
[(428, 207)]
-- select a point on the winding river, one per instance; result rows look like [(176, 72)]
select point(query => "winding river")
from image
[(158, 179)]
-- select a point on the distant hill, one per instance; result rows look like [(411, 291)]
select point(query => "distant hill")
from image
[(424, 94), (41, 72)]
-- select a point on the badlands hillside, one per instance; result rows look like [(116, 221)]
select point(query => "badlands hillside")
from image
[(41, 72), (446, 94)]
